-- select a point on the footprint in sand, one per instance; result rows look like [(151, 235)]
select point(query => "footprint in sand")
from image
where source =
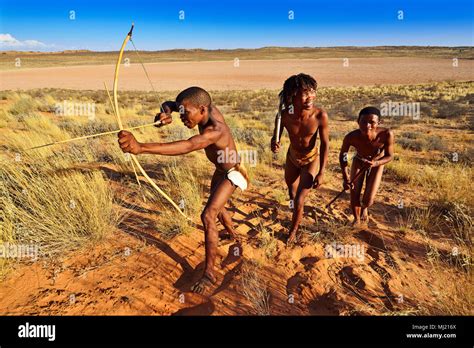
[(371, 239), (391, 261), (374, 253), (309, 262), (293, 285), (349, 278), (382, 272), (326, 304)]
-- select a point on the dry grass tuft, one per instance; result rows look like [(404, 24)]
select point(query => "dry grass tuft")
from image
[(53, 206), (254, 289)]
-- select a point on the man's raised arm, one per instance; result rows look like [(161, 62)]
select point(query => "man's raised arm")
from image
[(165, 114)]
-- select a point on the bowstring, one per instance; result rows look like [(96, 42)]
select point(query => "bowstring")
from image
[(152, 87), (143, 65)]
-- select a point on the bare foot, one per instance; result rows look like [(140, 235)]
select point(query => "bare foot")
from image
[(202, 284), (364, 218), (230, 237), (234, 236), (356, 223), (291, 238), (364, 215)]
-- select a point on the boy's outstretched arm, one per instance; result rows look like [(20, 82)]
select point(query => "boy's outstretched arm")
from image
[(324, 149), (128, 143)]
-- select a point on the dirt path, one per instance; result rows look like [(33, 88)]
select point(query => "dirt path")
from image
[(250, 74)]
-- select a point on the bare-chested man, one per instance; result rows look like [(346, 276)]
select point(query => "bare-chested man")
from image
[(195, 108), (374, 146), (303, 121)]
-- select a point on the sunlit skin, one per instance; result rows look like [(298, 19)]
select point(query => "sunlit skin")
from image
[(303, 127), (375, 145), (214, 136)]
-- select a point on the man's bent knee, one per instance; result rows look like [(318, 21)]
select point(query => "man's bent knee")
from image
[(209, 216), (300, 198)]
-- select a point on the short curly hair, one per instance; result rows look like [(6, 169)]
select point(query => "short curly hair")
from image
[(369, 110), (196, 95)]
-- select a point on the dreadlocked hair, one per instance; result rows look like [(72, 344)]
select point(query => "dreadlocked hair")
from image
[(292, 85)]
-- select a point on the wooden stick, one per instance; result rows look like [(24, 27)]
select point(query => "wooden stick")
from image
[(93, 135), (344, 190), (133, 165), (278, 127)]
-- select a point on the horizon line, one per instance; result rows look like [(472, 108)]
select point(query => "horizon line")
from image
[(249, 49)]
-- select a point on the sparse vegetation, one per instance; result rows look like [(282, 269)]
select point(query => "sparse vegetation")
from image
[(266, 241), (254, 289), (420, 142), (54, 206), (186, 185), (85, 57), (37, 190)]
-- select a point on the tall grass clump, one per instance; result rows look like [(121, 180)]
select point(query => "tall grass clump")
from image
[(55, 208), (185, 185)]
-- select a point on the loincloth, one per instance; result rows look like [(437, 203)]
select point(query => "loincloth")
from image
[(237, 175), (300, 159), (361, 158), (369, 158)]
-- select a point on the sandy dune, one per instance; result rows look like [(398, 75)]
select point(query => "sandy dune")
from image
[(250, 74)]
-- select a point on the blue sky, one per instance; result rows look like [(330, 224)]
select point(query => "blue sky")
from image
[(101, 25)]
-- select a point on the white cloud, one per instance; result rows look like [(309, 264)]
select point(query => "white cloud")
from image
[(9, 42)]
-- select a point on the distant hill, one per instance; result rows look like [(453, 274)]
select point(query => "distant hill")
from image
[(86, 57), (44, 53)]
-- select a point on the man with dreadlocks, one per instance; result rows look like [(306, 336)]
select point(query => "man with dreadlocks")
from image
[(196, 109), (303, 121)]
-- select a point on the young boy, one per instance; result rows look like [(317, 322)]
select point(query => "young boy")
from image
[(374, 146), (196, 109), (303, 121)]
